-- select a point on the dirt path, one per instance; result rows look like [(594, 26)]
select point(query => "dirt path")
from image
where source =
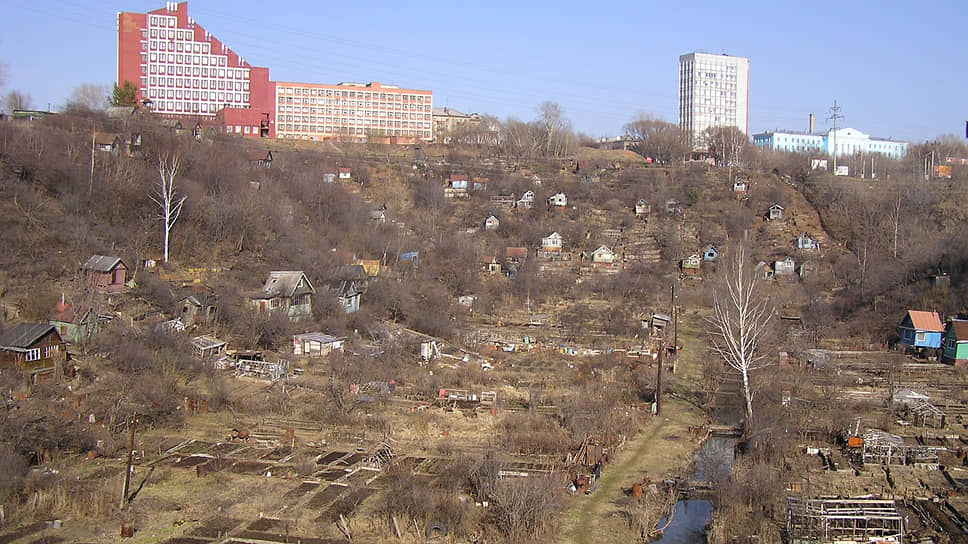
[(662, 448)]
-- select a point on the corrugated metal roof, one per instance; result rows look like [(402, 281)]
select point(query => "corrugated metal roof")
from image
[(25, 334), (926, 321), (101, 263)]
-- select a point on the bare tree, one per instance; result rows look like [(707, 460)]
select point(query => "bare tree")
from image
[(896, 219), (726, 144), (741, 316), (515, 139), (89, 96), (166, 197), (552, 134), (16, 100), (658, 139)]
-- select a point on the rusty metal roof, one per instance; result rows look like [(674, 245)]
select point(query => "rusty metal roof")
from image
[(926, 321), (960, 328)]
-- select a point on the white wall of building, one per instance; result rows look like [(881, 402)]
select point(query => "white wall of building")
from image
[(713, 91)]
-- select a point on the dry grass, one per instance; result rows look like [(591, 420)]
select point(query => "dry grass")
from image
[(48, 496)]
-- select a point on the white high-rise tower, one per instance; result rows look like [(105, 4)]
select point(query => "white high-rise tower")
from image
[(713, 91)]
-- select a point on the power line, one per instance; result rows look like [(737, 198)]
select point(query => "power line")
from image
[(835, 115)]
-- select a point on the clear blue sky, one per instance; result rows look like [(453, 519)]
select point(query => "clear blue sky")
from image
[(896, 68)]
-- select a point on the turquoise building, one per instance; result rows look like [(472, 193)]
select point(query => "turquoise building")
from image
[(848, 141)]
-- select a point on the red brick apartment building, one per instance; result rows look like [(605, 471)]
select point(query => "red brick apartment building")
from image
[(187, 73)]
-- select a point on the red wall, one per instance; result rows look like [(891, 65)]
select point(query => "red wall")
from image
[(129, 47)]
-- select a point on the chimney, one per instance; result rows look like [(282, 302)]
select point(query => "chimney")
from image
[(811, 123)]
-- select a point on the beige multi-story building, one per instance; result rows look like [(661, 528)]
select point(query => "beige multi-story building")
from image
[(713, 91), (352, 112), (447, 120)]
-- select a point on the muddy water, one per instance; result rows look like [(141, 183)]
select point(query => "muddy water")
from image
[(688, 526)]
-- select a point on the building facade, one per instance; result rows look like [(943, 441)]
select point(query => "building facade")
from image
[(182, 71), (352, 112), (713, 92), (842, 142), (447, 121)]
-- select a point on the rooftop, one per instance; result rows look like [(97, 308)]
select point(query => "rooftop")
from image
[(101, 263), (24, 335), (926, 321), (319, 337)]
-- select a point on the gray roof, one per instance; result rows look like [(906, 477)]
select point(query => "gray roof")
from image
[(448, 111), (120, 111), (199, 297), (205, 342), (319, 337), (286, 283), (102, 263), (350, 272), (344, 288), (25, 335)]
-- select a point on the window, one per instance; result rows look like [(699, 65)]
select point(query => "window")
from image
[(921, 336), (49, 351), (32, 355)]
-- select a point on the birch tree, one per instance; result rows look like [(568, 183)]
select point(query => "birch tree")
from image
[(726, 145), (167, 197), (741, 316)]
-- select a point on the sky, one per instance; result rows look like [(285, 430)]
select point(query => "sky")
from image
[(896, 69)]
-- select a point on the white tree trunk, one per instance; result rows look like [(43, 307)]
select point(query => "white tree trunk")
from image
[(747, 395), (167, 198), (740, 321)]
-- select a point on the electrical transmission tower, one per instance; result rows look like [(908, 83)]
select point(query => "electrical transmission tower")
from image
[(835, 115)]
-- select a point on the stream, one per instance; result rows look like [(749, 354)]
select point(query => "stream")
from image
[(713, 461)]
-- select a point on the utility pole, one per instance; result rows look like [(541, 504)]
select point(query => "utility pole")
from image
[(675, 322), (127, 473), (662, 350), (835, 115), (90, 184), (658, 379)]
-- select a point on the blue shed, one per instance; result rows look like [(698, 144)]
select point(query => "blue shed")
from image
[(710, 253), (920, 329)]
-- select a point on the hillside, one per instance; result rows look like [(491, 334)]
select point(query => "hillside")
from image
[(483, 316)]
